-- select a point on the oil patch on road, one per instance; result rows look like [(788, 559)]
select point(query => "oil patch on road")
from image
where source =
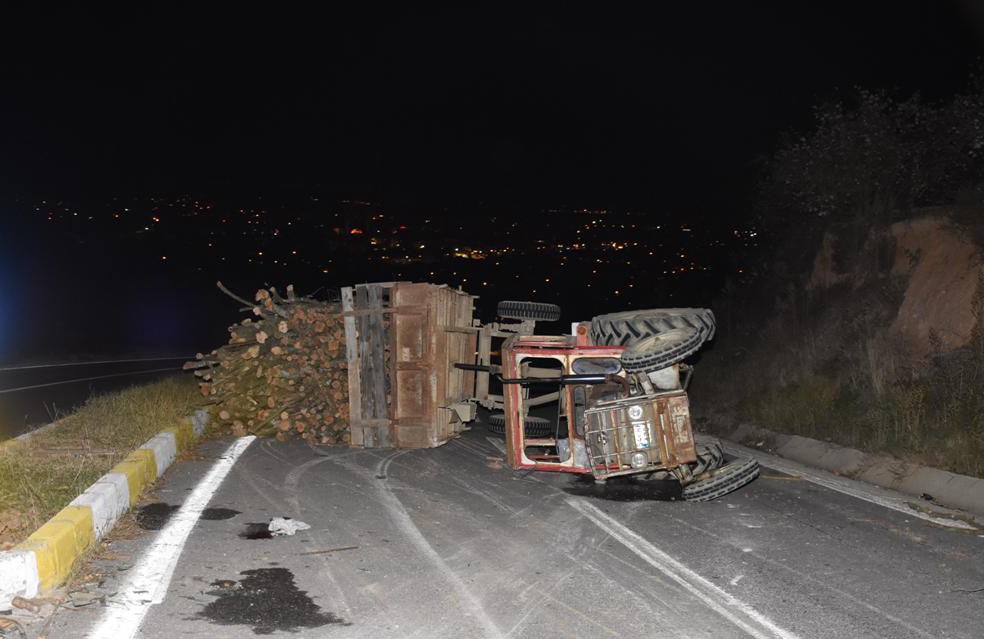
[(155, 516), (256, 530), (218, 514), (268, 600), (626, 489)]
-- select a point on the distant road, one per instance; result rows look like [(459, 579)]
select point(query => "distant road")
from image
[(34, 395)]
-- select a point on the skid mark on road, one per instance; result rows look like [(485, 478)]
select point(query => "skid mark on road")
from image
[(479, 450), (483, 494), (807, 578), (731, 608), (291, 484), (470, 604)]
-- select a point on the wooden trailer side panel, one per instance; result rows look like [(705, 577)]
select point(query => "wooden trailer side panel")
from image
[(402, 341)]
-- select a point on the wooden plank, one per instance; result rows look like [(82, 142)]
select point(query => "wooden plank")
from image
[(352, 357), (362, 324), (377, 363)]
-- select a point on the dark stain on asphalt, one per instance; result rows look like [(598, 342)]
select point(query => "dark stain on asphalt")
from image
[(154, 516), (216, 514), (256, 531), (626, 489), (268, 600)]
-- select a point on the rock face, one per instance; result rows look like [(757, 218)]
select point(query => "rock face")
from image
[(944, 270), (824, 274)]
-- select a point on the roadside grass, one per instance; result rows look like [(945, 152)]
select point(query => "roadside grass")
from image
[(41, 475)]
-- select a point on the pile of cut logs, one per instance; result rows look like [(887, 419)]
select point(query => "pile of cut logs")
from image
[(283, 371)]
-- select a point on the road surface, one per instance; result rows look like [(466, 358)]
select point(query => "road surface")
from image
[(33, 396), (448, 543)]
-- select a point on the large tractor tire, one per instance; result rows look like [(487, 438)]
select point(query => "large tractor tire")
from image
[(625, 329), (534, 426), (538, 311), (722, 481), (662, 350)]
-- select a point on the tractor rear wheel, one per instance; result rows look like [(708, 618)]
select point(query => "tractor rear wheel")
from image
[(627, 328), (662, 350)]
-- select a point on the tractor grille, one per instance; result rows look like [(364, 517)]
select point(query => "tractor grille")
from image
[(653, 430)]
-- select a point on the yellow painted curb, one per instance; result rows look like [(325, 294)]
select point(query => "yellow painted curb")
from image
[(140, 469), (184, 435), (59, 542)]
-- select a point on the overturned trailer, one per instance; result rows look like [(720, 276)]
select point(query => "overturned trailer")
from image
[(402, 340)]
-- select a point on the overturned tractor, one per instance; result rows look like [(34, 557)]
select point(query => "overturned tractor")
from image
[(609, 400)]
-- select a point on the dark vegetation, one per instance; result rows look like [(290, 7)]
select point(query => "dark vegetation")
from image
[(821, 362)]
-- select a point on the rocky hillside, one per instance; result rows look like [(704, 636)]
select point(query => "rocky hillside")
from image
[(940, 269), (879, 346)]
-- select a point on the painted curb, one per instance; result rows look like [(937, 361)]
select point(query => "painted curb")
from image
[(45, 559), (946, 488)]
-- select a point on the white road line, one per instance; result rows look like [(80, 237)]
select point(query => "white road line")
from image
[(738, 612), (150, 578), (94, 363), (86, 379), (846, 486)]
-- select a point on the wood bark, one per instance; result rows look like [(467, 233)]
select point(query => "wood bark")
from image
[(283, 372)]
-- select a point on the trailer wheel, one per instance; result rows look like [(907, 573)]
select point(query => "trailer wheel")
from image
[(528, 311), (533, 426), (722, 481), (627, 328), (662, 350)]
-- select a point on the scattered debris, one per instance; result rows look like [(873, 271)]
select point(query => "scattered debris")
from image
[(329, 550), (268, 600), (286, 526), (8, 626), (282, 373), (25, 604), (83, 598)]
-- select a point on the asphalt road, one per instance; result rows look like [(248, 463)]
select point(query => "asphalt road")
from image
[(35, 396), (448, 543)]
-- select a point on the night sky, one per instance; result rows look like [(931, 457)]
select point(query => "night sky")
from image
[(668, 111), (669, 107)]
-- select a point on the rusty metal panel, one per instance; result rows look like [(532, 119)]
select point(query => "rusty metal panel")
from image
[(432, 329), (657, 427), (402, 340)]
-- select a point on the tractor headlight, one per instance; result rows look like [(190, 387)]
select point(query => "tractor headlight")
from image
[(635, 412), (638, 460)]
